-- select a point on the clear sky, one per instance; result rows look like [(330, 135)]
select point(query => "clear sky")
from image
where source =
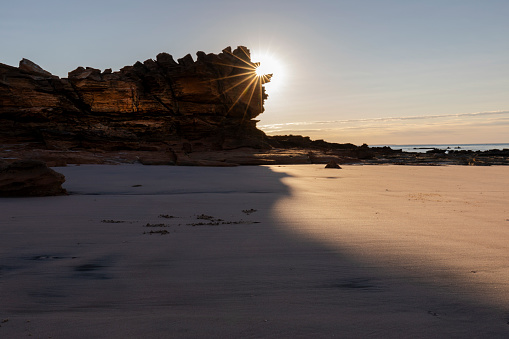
[(360, 71)]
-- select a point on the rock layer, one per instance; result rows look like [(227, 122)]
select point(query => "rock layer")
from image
[(171, 106)]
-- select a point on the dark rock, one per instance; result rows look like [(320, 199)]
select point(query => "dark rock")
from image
[(299, 141), (165, 60), (436, 151), (31, 67), (332, 164), (157, 158), (363, 152), (29, 178)]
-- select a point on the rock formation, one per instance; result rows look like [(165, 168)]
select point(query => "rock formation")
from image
[(166, 112), (29, 178), (332, 164), (175, 107)]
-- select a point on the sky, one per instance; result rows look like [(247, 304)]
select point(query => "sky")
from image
[(360, 71)]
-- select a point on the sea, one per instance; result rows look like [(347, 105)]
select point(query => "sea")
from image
[(454, 147)]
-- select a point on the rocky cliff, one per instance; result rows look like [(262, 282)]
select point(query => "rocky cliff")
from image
[(172, 106)]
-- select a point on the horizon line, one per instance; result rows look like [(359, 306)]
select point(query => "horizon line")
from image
[(448, 144)]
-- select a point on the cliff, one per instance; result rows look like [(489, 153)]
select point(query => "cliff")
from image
[(172, 106)]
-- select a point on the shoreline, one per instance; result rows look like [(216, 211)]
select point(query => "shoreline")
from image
[(299, 152)]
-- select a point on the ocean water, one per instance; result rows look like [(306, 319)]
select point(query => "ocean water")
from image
[(455, 147)]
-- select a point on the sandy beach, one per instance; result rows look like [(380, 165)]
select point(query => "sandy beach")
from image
[(294, 251)]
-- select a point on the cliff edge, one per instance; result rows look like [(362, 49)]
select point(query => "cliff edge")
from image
[(173, 106)]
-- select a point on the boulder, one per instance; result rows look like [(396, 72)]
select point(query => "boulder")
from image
[(31, 67), (26, 178), (332, 164)]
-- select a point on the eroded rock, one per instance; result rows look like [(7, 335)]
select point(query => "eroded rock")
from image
[(31, 67), (29, 178), (332, 164), (209, 104)]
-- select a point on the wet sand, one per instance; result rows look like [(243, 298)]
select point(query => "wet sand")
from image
[(254, 252)]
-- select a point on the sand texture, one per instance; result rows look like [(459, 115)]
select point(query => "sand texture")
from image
[(259, 252)]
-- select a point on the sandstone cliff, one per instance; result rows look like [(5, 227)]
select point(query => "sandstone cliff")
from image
[(172, 106)]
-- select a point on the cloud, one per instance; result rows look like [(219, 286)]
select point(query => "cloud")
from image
[(384, 119), (478, 127)]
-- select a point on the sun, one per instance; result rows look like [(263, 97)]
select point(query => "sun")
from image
[(257, 75), (263, 70), (269, 66)]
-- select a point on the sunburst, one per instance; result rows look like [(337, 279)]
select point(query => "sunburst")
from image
[(249, 78)]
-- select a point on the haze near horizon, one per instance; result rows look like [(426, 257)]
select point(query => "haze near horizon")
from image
[(376, 72)]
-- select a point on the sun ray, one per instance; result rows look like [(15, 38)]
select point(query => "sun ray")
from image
[(248, 78), (243, 92), (270, 69), (261, 93), (238, 84), (235, 75), (251, 96), (249, 68)]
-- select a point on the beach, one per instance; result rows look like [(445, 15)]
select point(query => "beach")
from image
[(290, 251)]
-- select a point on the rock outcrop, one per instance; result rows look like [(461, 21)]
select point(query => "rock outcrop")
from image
[(29, 178), (332, 164), (165, 105)]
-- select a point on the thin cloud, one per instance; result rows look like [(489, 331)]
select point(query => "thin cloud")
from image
[(385, 119)]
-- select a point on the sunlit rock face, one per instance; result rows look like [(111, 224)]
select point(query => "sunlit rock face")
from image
[(184, 105)]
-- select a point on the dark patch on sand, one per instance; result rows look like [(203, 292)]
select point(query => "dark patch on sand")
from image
[(368, 284), (167, 216), (48, 257), (92, 270), (160, 232)]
